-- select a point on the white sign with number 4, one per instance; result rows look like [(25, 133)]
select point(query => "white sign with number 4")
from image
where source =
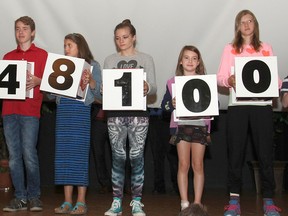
[(13, 79)]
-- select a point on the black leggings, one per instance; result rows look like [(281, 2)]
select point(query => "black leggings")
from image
[(259, 120)]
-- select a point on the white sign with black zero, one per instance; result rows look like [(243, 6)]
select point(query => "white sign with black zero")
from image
[(256, 77), (13, 79), (123, 89), (196, 96)]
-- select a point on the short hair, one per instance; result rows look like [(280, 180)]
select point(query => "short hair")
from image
[(27, 21), (194, 210)]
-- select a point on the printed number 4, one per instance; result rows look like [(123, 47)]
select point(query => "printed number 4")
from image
[(12, 84)]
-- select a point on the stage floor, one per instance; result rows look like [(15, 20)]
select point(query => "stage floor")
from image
[(155, 205)]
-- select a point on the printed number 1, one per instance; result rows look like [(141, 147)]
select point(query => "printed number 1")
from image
[(12, 84), (125, 83)]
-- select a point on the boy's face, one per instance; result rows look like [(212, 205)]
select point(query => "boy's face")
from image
[(23, 33)]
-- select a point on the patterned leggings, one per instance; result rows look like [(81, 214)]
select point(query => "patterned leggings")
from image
[(136, 128)]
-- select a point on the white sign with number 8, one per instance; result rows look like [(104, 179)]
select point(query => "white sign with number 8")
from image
[(62, 75)]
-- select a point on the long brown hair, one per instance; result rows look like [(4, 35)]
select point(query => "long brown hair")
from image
[(82, 45), (238, 40), (200, 68)]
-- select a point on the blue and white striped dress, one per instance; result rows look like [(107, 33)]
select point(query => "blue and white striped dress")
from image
[(72, 143)]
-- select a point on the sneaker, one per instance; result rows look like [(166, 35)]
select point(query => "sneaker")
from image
[(270, 209), (233, 209), (137, 207), (16, 205), (116, 208), (35, 205)]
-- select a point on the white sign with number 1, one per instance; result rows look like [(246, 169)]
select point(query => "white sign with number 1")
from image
[(123, 89)]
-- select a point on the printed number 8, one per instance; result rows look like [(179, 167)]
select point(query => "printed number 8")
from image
[(58, 72)]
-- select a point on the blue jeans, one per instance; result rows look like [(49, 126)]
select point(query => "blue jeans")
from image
[(21, 134)]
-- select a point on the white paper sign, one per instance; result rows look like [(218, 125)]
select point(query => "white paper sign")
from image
[(30, 69), (196, 96), (13, 79), (256, 77), (186, 120), (247, 101), (63, 75), (123, 89), (83, 88)]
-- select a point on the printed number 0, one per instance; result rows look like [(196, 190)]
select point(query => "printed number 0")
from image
[(188, 98), (58, 72), (264, 76)]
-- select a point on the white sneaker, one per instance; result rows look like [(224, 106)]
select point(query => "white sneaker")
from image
[(116, 208), (137, 207)]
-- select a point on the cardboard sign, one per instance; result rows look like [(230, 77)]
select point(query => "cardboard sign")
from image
[(123, 89), (196, 96), (13, 79), (256, 77), (30, 69), (63, 76)]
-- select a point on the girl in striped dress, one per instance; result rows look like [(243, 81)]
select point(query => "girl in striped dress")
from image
[(73, 131)]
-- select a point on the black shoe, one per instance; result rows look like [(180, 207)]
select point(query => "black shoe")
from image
[(35, 205), (16, 205)]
